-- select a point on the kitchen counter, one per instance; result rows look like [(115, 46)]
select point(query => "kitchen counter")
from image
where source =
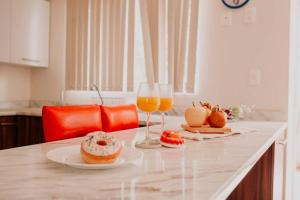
[(35, 111), (209, 169), (21, 111)]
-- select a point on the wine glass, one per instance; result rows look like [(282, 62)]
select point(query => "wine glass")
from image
[(166, 101), (148, 102)]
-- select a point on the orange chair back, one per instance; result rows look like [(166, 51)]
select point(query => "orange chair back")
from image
[(63, 122), (116, 118)]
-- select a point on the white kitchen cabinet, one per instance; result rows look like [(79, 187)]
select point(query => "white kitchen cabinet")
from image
[(29, 32), (280, 168), (5, 30)]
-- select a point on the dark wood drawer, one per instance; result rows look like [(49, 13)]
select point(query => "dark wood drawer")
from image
[(16, 131), (30, 130), (8, 132), (7, 120)]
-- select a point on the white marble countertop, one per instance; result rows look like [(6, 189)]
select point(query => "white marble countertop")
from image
[(36, 111), (208, 169), (21, 111)]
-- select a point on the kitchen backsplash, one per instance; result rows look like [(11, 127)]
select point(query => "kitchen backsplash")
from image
[(14, 104)]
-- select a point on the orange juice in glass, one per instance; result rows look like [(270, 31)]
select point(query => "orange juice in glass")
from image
[(166, 101), (148, 104), (166, 104), (148, 101)]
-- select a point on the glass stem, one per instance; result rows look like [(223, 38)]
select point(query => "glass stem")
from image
[(163, 121), (147, 124)]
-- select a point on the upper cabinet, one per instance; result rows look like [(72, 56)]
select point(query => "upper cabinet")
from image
[(28, 32), (5, 30)]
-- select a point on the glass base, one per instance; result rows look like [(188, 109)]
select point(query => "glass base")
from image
[(148, 144)]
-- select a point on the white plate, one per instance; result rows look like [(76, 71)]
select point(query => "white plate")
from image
[(172, 145), (70, 156)]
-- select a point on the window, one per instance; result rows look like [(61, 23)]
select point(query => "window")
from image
[(116, 44)]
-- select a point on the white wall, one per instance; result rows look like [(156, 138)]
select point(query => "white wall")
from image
[(228, 53), (14, 83), (294, 102), (47, 84)]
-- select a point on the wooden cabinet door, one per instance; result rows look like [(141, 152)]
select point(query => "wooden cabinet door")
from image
[(30, 130), (8, 132), (30, 32), (5, 30)]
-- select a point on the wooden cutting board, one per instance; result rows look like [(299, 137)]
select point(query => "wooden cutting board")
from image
[(206, 129)]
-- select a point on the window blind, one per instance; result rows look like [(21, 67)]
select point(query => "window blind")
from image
[(96, 44), (170, 29), (101, 36)]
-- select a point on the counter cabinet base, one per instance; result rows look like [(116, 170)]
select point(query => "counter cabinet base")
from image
[(18, 131), (258, 183)]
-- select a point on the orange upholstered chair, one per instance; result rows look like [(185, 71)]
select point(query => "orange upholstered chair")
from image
[(63, 122), (115, 118)]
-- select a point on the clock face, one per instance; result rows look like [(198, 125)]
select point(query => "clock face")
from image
[(235, 3)]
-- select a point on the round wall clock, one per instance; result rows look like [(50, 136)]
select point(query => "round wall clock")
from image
[(234, 4)]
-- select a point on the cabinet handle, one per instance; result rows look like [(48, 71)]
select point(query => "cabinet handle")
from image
[(282, 142), (8, 124), (30, 60)]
